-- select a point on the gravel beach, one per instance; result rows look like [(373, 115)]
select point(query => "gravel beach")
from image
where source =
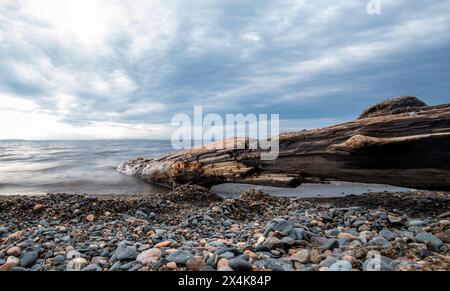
[(192, 228)]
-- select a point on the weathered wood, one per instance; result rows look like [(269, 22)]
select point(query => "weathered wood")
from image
[(409, 149)]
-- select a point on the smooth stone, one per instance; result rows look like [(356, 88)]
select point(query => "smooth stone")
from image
[(126, 253), (207, 268), (7, 267), (272, 243), (195, 264), (426, 237), (28, 258), (342, 266), (3, 230), (328, 262), (76, 264), (387, 234), (303, 256), (91, 268), (298, 234), (379, 263), (288, 241), (410, 223), (72, 254), (180, 257), (226, 255), (240, 265), (274, 265), (149, 256), (13, 251)]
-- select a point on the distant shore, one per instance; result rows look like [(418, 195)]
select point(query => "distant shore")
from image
[(192, 228)]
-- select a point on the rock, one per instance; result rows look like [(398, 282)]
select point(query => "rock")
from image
[(227, 255), (76, 264), (179, 257), (395, 219), (223, 263), (330, 245), (394, 106), (274, 265), (410, 223), (428, 238), (163, 244), (343, 266), (90, 218), (328, 262), (91, 268), (272, 243), (443, 215), (72, 254), (38, 207), (28, 258), (149, 256), (240, 265), (171, 265), (345, 235), (13, 251), (15, 236), (3, 230), (12, 259), (195, 264), (379, 263), (7, 267), (288, 241), (126, 253), (303, 256), (207, 268), (100, 261), (387, 234)]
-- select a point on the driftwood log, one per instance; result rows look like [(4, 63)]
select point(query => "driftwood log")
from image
[(399, 142)]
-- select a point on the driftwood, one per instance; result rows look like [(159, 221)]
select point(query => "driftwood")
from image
[(409, 149)]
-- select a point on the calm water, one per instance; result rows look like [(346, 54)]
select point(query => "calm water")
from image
[(35, 167)]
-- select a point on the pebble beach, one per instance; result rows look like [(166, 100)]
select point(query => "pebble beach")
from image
[(192, 228)]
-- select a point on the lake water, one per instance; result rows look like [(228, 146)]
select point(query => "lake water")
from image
[(39, 167)]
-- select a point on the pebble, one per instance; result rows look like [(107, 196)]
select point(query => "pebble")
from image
[(76, 264), (28, 258), (14, 251), (179, 257), (240, 265), (426, 237), (195, 264), (163, 244), (90, 218), (272, 242), (328, 262), (387, 234), (126, 253), (343, 266), (149, 256), (303, 256)]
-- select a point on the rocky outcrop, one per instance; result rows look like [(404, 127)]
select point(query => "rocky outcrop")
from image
[(397, 105), (388, 146)]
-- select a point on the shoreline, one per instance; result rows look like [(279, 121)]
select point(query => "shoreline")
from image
[(191, 228)]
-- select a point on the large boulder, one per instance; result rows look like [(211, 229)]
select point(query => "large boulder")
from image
[(394, 106)]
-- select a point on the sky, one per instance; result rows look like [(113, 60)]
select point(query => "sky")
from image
[(100, 69)]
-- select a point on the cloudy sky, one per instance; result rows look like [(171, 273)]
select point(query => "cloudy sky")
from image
[(122, 69)]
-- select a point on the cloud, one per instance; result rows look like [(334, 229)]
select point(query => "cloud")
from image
[(110, 68)]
